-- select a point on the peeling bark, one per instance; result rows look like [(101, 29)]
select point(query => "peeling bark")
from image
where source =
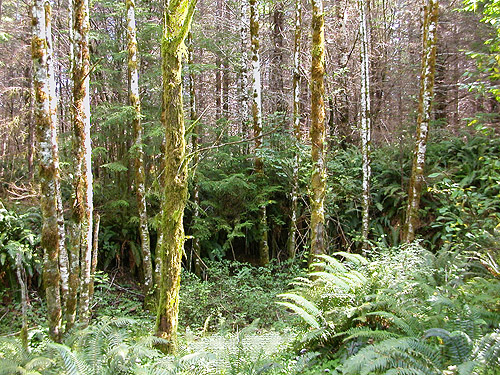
[(429, 41), (317, 131)]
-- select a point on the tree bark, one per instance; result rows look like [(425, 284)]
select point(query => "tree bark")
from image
[(95, 251), (177, 21), (195, 141), (365, 121), (429, 39), (63, 252), (317, 132), (140, 176), (243, 72), (292, 234), (48, 156), (21, 278), (276, 79), (83, 205), (257, 126)]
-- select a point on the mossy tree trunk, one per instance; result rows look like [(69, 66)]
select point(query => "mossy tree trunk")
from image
[(63, 252), (257, 126), (177, 21), (317, 132), (365, 120), (140, 176), (49, 176), (292, 233), (83, 204), (429, 38)]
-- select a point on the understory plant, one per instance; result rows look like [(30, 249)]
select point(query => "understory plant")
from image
[(407, 311)]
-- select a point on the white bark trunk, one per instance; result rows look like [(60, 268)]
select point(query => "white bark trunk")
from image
[(257, 122), (52, 239), (244, 68), (429, 42), (365, 121), (81, 82)]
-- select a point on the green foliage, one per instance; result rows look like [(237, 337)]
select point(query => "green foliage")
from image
[(17, 237), (488, 62), (407, 311), (15, 359), (233, 295)]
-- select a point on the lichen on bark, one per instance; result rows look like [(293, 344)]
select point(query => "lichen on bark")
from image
[(429, 43), (83, 202), (177, 21), (52, 238), (257, 127), (140, 176), (318, 132)]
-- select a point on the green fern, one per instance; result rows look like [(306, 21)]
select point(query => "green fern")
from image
[(457, 345), (15, 359), (407, 355), (487, 353), (72, 363)]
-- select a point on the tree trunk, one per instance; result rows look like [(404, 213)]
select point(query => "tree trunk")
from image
[(52, 239), (95, 251), (292, 234), (429, 38), (226, 74), (365, 121), (317, 132), (243, 73), (276, 79), (195, 140), (257, 125), (83, 205), (140, 176), (63, 252), (21, 278), (31, 128), (178, 15)]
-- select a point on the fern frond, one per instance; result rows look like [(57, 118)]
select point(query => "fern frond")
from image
[(366, 333), (39, 363), (353, 258), (395, 320), (330, 262), (72, 364), (308, 318), (458, 345), (394, 354), (302, 302), (322, 276), (487, 351)]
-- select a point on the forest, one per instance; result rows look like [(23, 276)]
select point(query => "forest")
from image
[(240, 187)]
